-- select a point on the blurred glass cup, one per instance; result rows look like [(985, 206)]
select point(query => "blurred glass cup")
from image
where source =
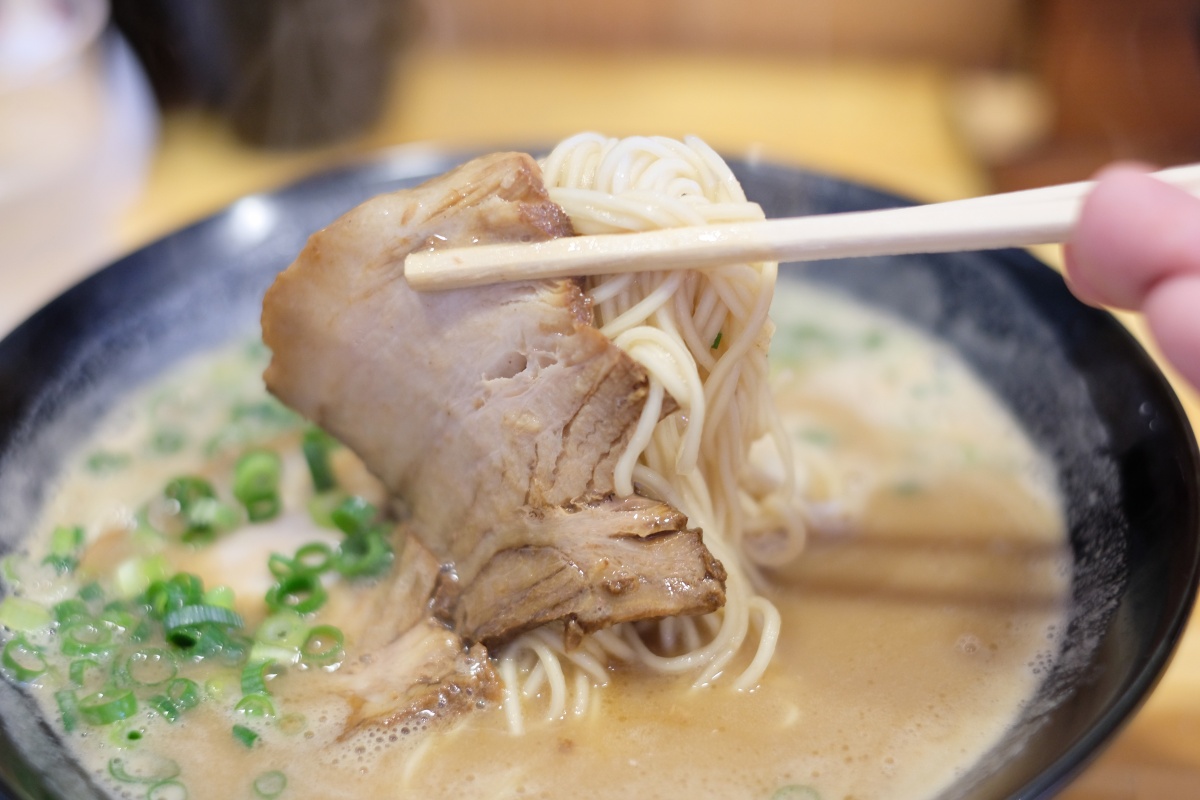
[(309, 71), (285, 73), (77, 129)]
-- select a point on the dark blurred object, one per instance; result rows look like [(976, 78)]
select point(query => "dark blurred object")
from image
[(286, 73), (308, 71), (1124, 78), (177, 42)]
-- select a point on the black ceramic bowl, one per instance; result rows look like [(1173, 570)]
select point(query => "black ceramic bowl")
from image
[(1078, 382)]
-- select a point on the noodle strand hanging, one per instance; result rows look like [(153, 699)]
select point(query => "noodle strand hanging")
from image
[(702, 337)]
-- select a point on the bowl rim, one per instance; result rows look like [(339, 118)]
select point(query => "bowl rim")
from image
[(414, 161)]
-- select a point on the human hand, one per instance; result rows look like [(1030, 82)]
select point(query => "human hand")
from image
[(1137, 247)]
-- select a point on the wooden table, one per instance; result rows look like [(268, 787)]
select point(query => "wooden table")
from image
[(886, 125)]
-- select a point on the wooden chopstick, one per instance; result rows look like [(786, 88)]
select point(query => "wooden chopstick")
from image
[(1034, 216)]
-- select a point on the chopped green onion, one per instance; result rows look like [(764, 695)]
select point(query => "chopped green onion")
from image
[(321, 507), (364, 555), (207, 640), (103, 708), (270, 785), (152, 666), (187, 587), (365, 551), (182, 589), (77, 671), (323, 645), (167, 790), (167, 441), (221, 687), (245, 735), (186, 638), (231, 647), (314, 557), (23, 660), (70, 611), (134, 575), (103, 462), (264, 508), (65, 543), (208, 517), (261, 651), (66, 540), (285, 627), (142, 632), (87, 638), (68, 708), (354, 516), (158, 598), (317, 445), (90, 592), (10, 570), (181, 694), (61, 564), (23, 615), (717, 341), (219, 596), (255, 705), (117, 617), (142, 767), (256, 484), (280, 565), (299, 591), (279, 638), (125, 736), (186, 490), (255, 676), (200, 614), (165, 707), (195, 502), (185, 692)]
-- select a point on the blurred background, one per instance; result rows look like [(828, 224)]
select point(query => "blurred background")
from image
[(119, 123), (122, 122)]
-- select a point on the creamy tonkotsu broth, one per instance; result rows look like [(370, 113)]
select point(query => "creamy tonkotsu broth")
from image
[(914, 626)]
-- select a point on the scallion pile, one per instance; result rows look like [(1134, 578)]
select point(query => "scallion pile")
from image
[(143, 645)]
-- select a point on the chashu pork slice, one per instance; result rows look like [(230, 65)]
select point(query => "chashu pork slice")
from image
[(402, 666), (495, 414)]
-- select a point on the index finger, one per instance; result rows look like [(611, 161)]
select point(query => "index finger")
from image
[(1133, 232)]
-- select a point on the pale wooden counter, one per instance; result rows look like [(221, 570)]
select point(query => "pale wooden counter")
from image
[(884, 125)]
